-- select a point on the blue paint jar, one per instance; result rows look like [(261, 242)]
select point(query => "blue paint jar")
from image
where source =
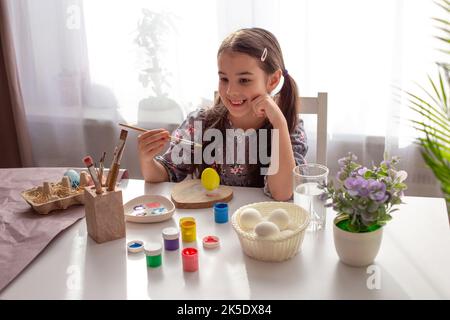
[(221, 212)]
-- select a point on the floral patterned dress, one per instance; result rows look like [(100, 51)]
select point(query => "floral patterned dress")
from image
[(243, 172)]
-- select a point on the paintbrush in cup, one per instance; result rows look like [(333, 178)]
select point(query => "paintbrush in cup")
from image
[(91, 168), (195, 144), (114, 170), (101, 168)]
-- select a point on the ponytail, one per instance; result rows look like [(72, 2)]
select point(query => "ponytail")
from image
[(288, 100)]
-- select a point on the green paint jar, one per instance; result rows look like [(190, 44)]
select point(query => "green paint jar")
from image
[(153, 255)]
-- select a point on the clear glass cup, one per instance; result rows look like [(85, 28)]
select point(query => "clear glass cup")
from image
[(307, 177)]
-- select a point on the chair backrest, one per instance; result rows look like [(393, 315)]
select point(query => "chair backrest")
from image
[(317, 105)]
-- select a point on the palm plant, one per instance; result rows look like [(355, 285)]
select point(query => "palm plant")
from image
[(434, 112)]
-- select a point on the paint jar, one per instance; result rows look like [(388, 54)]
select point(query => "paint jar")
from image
[(190, 259), (188, 229), (211, 242), (135, 246), (221, 212), (171, 238), (153, 254)]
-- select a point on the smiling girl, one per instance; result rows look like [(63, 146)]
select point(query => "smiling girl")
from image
[(250, 68)]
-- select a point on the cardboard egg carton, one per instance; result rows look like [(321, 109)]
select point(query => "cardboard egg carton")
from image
[(61, 200), (54, 196)]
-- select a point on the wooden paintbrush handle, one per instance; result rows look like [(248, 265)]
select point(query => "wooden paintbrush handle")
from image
[(112, 176)]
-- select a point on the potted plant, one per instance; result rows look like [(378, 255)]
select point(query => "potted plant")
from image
[(364, 202), (433, 110), (153, 29)]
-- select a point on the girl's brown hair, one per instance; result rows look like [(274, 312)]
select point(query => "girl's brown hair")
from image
[(253, 41)]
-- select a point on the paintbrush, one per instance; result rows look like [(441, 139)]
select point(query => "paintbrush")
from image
[(91, 168), (101, 167), (114, 170), (195, 144)]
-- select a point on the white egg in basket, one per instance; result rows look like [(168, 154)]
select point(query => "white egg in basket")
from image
[(249, 218), (279, 246), (267, 229), (280, 217)]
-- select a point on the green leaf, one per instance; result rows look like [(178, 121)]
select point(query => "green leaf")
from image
[(434, 87), (443, 29), (434, 110), (401, 186), (436, 102), (393, 210), (444, 96), (442, 21), (368, 174), (442, 138), (443, 39), (438, 144), (443, 5), (432, 128)]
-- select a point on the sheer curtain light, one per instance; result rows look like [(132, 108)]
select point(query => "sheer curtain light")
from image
[(359, 51)]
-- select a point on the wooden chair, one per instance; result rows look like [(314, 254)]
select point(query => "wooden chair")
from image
[(317, 105)]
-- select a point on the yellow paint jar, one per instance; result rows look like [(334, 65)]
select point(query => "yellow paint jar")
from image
[(188, 229)]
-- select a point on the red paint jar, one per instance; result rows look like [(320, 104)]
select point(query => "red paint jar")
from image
[(190, 259)]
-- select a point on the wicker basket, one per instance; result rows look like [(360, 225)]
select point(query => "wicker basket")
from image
[(277, 248)]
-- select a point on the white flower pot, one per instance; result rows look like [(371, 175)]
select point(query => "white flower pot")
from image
[(356, 249)]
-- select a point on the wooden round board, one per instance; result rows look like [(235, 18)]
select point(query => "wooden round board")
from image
[(190, 194)]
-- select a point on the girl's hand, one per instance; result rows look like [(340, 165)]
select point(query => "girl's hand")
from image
[(265, 106), (151, 143)]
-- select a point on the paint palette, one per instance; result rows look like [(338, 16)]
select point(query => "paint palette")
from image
[(148, 209)]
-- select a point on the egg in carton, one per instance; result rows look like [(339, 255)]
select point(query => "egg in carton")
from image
[(54, 196)]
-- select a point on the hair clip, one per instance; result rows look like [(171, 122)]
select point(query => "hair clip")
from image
[(264, 55)]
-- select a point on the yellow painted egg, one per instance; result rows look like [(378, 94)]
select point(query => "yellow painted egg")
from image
[(210, 179)]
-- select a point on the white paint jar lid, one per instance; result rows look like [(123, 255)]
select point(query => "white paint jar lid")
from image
[(170, 233), (153, 249)]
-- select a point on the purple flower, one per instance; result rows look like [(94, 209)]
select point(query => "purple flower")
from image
[(363, 189), (362, 171), (342, 162), (377, 191), (366, 193), (356, 186), (323, 196), (347, 160), (351, 184)]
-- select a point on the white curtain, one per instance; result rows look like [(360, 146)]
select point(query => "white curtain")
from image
[(85, 66)]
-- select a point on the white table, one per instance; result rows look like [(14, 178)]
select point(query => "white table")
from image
[(413, 263)]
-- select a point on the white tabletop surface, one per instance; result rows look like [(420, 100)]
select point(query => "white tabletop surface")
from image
[(413, 263)]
